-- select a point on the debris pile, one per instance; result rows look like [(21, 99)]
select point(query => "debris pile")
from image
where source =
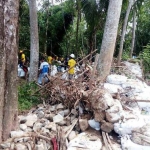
[(84, 114)]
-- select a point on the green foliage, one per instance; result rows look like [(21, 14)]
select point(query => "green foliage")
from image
[(126, 55), (26, 97), (145, 56)]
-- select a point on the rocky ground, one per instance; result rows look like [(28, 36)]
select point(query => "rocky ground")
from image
[(88, 115)]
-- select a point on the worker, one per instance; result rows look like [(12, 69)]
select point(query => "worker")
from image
[(71, 66), (49, 60), (23, 64), (43, 72), (22, 56)]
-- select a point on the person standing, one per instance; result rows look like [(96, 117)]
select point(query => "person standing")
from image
[(71, 66), (43, 72), (23, 64)]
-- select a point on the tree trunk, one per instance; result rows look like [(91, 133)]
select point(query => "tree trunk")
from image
[(77, 28), (124, 31), (34, 41), (109, 38), (133, 34), (9, 13)]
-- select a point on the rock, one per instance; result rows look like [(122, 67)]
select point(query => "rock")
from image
[(66, 112), (40, 114), (49, 116), (58, 118), (101, 99), (59, 106), (31, 119), (23, 127), (44, 131), (37, 126), (61, 113), (99, 115), (16, 140), (52, 108), (20, 146), (52, 126), (72, 135), (16, 134), (5, 145), (94, 124), (83, 123), (107, 127), (39, 146), (62, 123)]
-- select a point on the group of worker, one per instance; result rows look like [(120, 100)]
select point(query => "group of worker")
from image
[(45, 66)]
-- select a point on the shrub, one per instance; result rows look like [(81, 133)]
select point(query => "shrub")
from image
[(145, 56), (26, 97)]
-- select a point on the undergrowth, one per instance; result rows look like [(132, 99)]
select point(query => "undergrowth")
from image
[(27, 98)]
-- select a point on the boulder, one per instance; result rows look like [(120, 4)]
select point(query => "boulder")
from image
[(31, 119), (101, 99), (99, 115), (83, 123), (107, 126), (23, 127), (20, 146)]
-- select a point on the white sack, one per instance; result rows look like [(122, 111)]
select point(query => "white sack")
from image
[(83, 141), (116, 79), (134, 68), (127, 144), (112, 88)]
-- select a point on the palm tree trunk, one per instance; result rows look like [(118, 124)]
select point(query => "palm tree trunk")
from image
[(109, 38), (34, 41), (133, 34), (124, 31)]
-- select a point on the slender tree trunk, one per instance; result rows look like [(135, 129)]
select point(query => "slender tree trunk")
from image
[(133, 33), (34, 41), (124, 31), (2, 66), (45, 45), (9, 12), (109, 38), (77, 28)]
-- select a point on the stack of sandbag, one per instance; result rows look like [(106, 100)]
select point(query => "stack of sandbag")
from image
[(142, 135), (134, 68)]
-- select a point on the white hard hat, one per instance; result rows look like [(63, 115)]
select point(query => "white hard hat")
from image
[(72, 55)]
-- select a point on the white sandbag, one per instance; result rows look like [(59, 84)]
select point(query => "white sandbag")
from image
[(85, 141), (65, 76), (126, 127), (112, 88), (127, 144), (53, 70), (136, 86), (116, 79), (142, 135), (134, 68)]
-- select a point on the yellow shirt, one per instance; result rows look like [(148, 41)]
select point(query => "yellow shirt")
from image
[(71, 64), (49, 60), (23, 58)]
